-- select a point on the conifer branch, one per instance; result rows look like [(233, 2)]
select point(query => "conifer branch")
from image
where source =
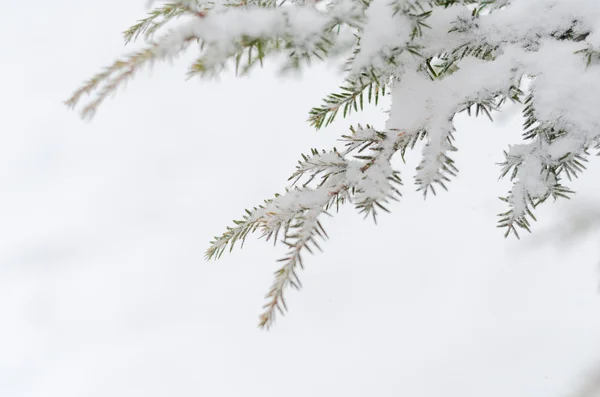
[(249, 223), (325, 164), (472, 61), (436, 166), (319, 43), (361, 138), (155, 20), (374, 183), (351, 97), (302, 235), (369, 182), (537, 168), (117, 74)]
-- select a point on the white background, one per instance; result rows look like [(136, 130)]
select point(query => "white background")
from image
[(104, 290)]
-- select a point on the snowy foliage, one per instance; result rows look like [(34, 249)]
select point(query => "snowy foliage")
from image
[(435, 58)]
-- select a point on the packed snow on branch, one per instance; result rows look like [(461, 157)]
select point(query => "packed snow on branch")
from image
[(435, 58)]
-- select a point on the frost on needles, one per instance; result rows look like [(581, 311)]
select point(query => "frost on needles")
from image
[(435, 59)]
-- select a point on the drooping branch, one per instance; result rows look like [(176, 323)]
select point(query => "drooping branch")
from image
[(435, 58)]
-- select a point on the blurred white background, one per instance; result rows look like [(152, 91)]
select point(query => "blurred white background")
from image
[(104, 290)]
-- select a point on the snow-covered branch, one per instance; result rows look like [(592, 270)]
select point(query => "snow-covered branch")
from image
[(435, 58)]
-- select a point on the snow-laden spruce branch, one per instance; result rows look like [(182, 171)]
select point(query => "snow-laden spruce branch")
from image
[(435, 58), (322, 181)]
